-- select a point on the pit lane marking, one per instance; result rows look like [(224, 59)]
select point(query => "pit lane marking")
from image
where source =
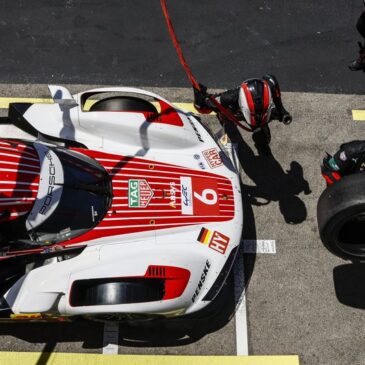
[(358, 115), (241, 311), (5, 101), (110, 338), (59, 358), (247, 247)]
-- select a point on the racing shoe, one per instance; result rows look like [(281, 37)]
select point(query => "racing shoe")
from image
[(359, 63)]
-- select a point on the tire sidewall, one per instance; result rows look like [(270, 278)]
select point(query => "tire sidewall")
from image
[(330, 232)]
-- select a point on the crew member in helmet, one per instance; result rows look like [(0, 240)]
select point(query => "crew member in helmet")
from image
[(350, 158), (359, 63), (256, 102)]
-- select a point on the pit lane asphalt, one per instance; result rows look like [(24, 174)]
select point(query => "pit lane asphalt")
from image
[(301, 300), (306, 44)]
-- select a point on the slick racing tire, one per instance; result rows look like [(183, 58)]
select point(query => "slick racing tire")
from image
[(341, 217)]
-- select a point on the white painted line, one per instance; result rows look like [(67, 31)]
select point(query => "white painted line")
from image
[(240, 300), (111, 338), (259, 246)]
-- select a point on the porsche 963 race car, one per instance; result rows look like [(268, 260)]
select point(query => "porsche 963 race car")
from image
[(113, 202)]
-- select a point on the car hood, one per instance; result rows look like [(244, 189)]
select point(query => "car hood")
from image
[(150, 195)]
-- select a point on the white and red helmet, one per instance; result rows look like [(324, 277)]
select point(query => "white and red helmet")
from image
[(256, 102)]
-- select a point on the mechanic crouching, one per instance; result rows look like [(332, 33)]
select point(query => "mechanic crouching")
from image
[(256, 102), (347, 160)]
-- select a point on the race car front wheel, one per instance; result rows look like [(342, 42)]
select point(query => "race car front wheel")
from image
[(341, 217)]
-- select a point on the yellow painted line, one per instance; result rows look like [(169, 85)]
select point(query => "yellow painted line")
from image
[(55, 358), (358, 115), (4, 103)]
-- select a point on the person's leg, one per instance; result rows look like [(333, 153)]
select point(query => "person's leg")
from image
[(262, 139), (359, 63)]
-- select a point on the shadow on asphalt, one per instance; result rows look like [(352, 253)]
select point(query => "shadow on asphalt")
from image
[(349, 281), (272, 182)]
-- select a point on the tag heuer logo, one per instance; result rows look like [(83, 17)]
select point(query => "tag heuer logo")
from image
[(139, 193)]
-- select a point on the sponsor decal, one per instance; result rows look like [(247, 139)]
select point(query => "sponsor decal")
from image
[(51, 184), (196, 131), (201, 281), (343, 156), (202, 166), (172, 194), (199, 196), (50, 187), (215, 240), (213, 158), (139, 193), (186, 196)]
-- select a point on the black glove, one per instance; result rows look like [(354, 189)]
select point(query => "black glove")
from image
[(200, 97), (330, 170), (285, 116)]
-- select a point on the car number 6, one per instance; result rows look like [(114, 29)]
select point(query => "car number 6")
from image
[(209, 196)]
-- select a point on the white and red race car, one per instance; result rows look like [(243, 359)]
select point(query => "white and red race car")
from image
[(125, 208)]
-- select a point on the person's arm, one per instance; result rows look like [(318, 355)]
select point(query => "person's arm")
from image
[(201, 100), (279, 113), (345, 158), (203, 103), (343, 162)]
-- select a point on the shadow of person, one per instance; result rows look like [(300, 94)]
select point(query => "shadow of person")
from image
[(349, 281), (272, 182)]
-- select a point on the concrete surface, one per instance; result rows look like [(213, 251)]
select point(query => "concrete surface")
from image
[(298, 299)]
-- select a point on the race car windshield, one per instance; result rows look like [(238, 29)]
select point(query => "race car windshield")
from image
[(74, 195)]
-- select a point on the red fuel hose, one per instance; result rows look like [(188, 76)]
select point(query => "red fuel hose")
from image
[(188, 72)]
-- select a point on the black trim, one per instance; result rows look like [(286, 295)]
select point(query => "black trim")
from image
[(16, 116), (5, 310), (222, 277), (111, 291)]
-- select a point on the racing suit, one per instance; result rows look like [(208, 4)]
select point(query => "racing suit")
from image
[(347, 160), (230, 100)]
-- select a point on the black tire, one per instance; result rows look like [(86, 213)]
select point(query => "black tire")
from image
[(341, 217), (108, 292), (120, 103)]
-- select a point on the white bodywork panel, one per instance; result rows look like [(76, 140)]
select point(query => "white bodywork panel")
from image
[(46, 289)]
